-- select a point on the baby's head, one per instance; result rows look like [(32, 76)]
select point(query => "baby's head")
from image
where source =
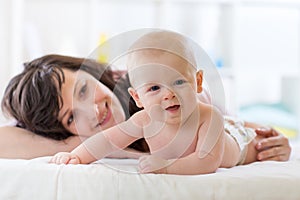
[(162, 59), (161, 49), (157, 47)]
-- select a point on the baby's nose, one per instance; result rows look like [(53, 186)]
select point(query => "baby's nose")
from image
[(168, 94)]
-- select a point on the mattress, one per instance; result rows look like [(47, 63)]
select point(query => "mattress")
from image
[(118, 179)]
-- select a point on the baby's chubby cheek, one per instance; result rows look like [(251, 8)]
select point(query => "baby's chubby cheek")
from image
[(156, 112)]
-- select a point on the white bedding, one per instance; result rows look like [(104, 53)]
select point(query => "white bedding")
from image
[(36, 179)]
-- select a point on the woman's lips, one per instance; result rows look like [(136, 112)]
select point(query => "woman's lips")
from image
[(105, 116)]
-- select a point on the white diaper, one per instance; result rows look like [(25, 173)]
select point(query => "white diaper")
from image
[(242, 135)]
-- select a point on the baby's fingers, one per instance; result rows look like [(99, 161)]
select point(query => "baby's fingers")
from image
[(74, 161), (144, 169), (55, 159), (52, 160), (144, 165), (143, 158), (61, 158), (64, 160)]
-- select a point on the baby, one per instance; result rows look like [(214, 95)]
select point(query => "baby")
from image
[(185, 136)]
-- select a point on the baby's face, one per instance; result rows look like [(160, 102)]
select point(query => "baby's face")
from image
[(166, 86)]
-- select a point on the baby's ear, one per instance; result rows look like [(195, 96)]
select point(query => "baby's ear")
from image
[(199, 78), (135, 97)]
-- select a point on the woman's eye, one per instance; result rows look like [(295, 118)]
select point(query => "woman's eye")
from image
[(179, 82), (82, 91), (154, 88), (70, 120)]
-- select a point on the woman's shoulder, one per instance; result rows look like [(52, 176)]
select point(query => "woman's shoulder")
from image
[(18, 142), (7, 128)]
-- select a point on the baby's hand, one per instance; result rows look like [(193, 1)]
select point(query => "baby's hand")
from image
[(65, 158), (153, 164)]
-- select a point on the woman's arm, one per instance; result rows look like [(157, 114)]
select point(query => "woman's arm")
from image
[(22, 144), (19, 143)]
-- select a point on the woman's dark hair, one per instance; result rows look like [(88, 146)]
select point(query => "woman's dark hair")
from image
[(34, 99)]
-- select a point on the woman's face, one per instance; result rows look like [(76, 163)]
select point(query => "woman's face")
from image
[(88, 105)]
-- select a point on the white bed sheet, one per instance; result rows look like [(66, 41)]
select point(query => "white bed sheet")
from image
[(118, 179)]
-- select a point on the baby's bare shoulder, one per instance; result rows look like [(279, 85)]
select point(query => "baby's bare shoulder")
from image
[(140, 118), (208, 111)]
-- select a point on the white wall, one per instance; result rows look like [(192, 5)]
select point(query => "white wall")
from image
[(5, 48), (266, 49)]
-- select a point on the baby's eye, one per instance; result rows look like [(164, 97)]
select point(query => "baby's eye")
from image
[(179, 82), (70, 120), (154, 88)]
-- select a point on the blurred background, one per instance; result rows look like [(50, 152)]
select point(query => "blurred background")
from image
[(254, 43)]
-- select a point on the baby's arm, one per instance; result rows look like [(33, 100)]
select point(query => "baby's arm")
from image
[(102, 144), (208, 155), (127, 153), (188, 165)]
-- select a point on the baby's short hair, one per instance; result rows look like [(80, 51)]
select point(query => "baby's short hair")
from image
[(159, 42)]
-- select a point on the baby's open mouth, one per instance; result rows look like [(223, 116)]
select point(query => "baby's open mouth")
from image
[(173, 108)]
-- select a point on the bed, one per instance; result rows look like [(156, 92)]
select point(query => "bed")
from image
[(118, 179)]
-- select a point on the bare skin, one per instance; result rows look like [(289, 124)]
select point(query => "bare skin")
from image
[(18, 143), (22, 144)]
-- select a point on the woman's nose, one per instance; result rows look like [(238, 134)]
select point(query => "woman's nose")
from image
[(90, 111), (97, 96), (168, 94)]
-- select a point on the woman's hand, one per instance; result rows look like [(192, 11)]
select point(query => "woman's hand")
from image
[(274, 146), (65, 158)]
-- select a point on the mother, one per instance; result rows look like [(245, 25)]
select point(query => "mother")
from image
[(53, 92)]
